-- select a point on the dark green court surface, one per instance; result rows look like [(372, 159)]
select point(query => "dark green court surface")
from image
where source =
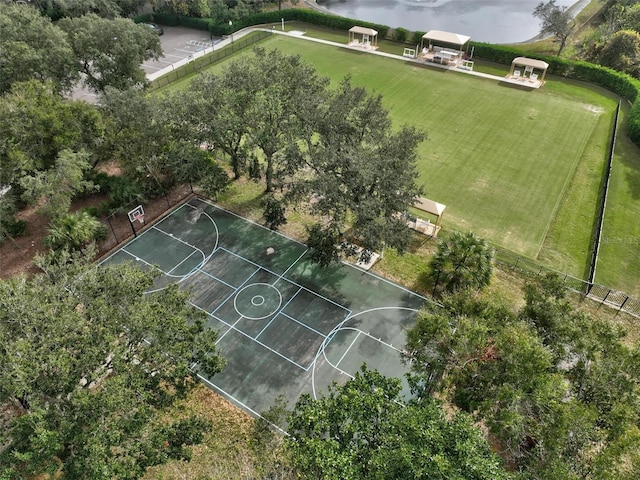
[(286, 326)]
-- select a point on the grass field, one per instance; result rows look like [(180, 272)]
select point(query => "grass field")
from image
[(521, 168)]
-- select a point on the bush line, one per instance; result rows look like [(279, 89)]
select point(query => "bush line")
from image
[(619, 83)]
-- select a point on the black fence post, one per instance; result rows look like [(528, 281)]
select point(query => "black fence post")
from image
[(113, 230)]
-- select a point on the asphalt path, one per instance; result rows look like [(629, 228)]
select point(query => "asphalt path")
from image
[(177, 43)]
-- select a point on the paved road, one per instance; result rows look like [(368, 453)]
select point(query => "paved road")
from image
[(177, 43)]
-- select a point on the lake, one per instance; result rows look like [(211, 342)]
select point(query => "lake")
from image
[(493, 21)]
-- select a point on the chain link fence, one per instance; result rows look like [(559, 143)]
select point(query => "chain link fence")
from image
[(196, 65), (600, 293), (121, 229)]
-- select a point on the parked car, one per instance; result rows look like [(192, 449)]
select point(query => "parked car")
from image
[(156, 28)]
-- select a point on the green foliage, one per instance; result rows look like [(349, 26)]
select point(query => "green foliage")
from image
[(557, 389), (400, 34), (74, 231), (416, 37), (109, 52), (33, 48), (88, 359), (40, 125), (9, 226), (54, 188), (273, 212), (360, 430), (556, 21), (323, 244), (462, 261), (622, 52)]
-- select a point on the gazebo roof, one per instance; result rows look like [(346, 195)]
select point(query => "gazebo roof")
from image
[(530, 62), (447, 37), (429, 206), (363, 30)]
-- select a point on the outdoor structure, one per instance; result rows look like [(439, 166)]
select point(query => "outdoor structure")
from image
[(426, 227), (363, 37), (528, 70), (443, 47)]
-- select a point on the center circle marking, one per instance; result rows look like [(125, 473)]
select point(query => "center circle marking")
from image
[(257, 301)]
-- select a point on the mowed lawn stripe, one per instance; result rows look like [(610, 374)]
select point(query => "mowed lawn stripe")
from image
[(499, 157)]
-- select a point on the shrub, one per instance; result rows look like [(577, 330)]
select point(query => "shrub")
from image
[(400, 34), (74, 231)]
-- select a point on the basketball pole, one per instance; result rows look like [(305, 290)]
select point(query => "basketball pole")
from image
[(133, 229)]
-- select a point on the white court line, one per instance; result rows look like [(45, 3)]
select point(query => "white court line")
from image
[(286, 279), (252, 222), (235, 291), (228, 395), (216, 278), (231, 327), (345, 352), (284, 314), (184, 260), (330, 337), (171, 235), (278, 312)]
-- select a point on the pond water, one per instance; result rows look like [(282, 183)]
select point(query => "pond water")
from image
[(493, 21)]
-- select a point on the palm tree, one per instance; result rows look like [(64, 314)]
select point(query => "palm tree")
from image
[(462, 261), (74, 230)]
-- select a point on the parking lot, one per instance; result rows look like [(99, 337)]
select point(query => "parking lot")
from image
[(177, 43)]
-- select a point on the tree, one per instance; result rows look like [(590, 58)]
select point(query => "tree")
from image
[(135, 137), (556, 21), (87, 361), (558, 390), (109, 52), (37, 125), (57, 9), (53, 189), (622, 52), (31, 47), (361, 430), (462, 261), (362, 170), (287, 92), (214, 112)]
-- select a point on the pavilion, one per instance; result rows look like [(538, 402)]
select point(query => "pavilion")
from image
[(528, 69), (363, 37), (427, 227), (439, 46)]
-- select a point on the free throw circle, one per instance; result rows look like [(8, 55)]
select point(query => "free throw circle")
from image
[(257, 301)]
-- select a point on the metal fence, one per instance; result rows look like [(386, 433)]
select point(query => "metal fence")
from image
[(120, 229), (196, 65), (599, 293)]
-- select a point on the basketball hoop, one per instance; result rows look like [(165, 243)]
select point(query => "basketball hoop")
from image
[(136, 215)]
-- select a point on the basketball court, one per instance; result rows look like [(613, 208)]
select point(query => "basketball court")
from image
[(286, 326)]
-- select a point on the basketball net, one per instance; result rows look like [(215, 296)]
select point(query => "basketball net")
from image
[(139, 218)]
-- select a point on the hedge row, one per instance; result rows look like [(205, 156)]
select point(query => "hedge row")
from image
[(620, 83)]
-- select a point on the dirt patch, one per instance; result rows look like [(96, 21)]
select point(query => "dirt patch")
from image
[(17, 254)]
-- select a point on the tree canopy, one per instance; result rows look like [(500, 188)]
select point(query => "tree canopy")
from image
[(87, 359), (333, 151), (557, 389), (362, 430), (33, 48), (556, 21), (109, 52)]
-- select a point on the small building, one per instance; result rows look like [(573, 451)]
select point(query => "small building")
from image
[(427, 227), (528, 70), (363, 37), (443, 47)]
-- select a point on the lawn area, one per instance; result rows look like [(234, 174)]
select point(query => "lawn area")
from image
[(520, 168)]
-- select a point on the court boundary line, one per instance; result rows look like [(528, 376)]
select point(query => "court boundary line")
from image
[(325, 339)]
